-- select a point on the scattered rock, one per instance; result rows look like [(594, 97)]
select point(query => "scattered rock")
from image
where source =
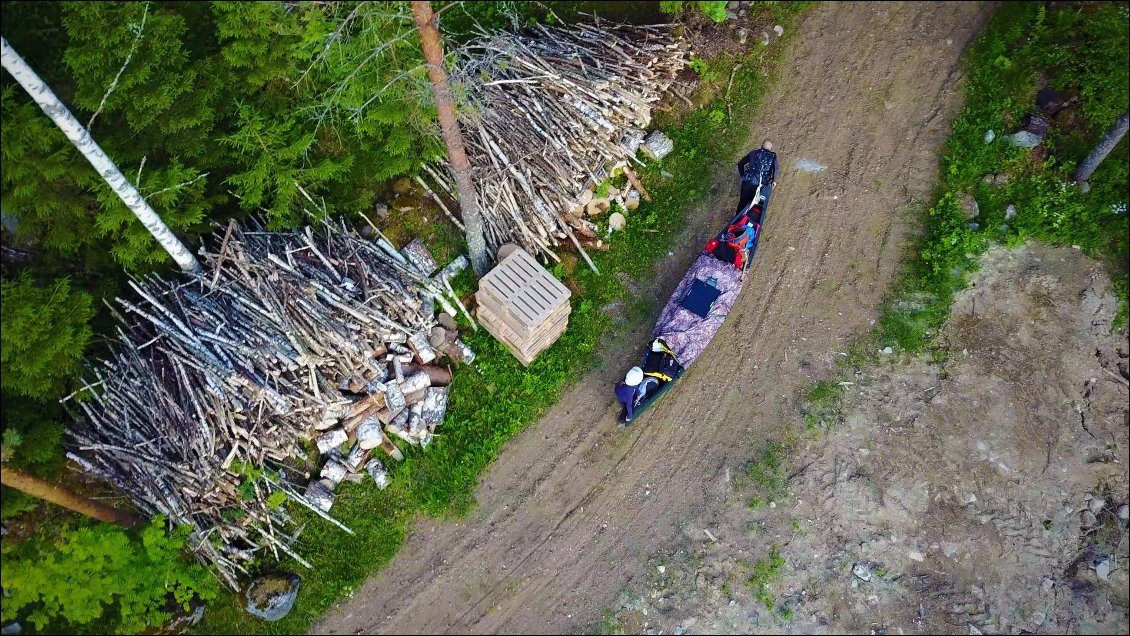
[(970, 498), (271, 597), (973, 631), (969, 205), (915, 555), (733, 5), (1124, 512), (662, 569), (1089, 519), (743, 35), (807, 165), (381, 210), (731, 15), (995, 179), (1024, 139), (990, 135), (888, 105), (1037, 125), (1096, 505), (1048, 584), (888, 350), (437, 336), (765, 38), (657, 145), (1010, 212), (616, 222), (666, 175), (863, 571), (11, 628), (1102, 568), (447, 320), (1039, 618), (779, 30)]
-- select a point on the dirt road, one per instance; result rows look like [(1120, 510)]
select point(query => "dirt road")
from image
[(574, 507)]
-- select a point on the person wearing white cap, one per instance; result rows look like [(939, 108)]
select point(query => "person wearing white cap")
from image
[(628, 390)]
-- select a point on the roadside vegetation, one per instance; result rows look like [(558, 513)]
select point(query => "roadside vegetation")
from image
[(61, 272), (1080, 50)]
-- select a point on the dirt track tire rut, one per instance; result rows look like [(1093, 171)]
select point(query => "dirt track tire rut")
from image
[(596, 500)]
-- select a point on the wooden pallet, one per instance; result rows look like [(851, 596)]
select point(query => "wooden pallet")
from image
[(523, 305)]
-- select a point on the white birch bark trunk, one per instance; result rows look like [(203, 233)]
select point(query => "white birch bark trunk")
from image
[(80, 137)]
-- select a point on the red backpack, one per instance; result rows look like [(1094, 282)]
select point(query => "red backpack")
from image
[(730, 246)]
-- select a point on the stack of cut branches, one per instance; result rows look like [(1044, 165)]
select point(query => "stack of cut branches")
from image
[(220, 384), (548, 113)]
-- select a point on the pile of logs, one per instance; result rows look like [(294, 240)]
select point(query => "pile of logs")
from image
[(549, 113), (221, 384)]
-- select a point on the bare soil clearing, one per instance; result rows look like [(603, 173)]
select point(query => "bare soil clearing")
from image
[(574, 507), (982, 497)]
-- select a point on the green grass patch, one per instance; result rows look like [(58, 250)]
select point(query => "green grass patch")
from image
[(763, 574), (497, 397), (1081, 49), (766, 472)]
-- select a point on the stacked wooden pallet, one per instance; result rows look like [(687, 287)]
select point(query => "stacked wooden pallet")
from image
[(523, 305)]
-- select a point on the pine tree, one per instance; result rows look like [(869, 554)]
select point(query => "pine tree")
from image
[(456, 154)]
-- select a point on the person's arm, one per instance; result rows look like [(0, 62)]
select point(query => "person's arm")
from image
[(743, 163), (776, 166)]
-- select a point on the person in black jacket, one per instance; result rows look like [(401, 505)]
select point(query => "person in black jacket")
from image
[(759, 167)]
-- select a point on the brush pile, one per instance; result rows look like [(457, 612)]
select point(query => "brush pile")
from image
[(221, 385), (548, 113)]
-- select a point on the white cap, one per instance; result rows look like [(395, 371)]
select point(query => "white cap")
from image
[(634, 377)]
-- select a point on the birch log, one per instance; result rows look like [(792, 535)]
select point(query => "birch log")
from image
[(46, 99)]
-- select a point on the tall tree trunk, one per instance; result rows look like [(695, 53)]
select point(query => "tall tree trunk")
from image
[(456, 154), (80, 137), (59, 496), (1102, 149)]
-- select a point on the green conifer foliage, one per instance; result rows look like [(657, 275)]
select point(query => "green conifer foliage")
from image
[(46, 182), (279, 158), (162, 95), (43, 334)]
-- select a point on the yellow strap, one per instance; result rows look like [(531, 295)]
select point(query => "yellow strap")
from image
[(665, 347), (656, 374)]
